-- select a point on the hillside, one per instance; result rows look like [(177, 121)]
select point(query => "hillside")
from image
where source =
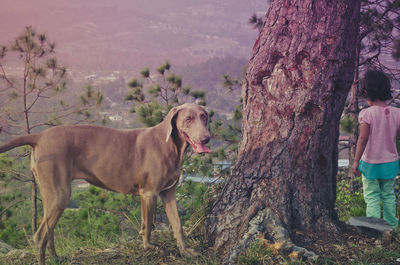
[(116, 35)]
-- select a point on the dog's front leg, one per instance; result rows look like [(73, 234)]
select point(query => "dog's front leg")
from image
[(169, 200), (148, 207)]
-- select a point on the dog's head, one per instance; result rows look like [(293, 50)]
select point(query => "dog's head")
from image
[(190, 120)]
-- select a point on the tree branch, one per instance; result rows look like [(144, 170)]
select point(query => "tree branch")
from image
[(12, 205)]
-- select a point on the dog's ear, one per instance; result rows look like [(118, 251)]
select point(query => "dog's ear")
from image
[(169, 119)]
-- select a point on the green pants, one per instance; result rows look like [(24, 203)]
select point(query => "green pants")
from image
[(377, 190)]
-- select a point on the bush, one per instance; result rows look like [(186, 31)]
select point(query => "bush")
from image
[(194, 198), (98, 220), (11, 234), (348, 202)]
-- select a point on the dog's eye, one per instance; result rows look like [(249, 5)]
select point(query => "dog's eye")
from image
[(189, 119)]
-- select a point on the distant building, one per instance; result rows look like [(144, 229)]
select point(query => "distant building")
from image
[(90, 77), (82, 184), (115, 118), (111, 116)]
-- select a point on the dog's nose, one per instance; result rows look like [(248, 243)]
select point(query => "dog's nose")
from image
[(205, 140)]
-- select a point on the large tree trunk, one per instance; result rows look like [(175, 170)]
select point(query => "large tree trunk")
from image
[(353, 115), (293, 94)]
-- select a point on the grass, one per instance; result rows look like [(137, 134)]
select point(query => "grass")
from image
[(105, 230), (379, 255), (126, 252), (349, 202)]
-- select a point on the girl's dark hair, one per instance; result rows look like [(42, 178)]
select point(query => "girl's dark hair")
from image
[(376, 86)]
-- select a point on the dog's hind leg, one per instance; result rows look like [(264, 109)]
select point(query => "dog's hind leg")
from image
[(55, 188), (50, 244)]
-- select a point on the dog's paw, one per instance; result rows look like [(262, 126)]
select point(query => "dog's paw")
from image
[(188, 252), (148, 246)]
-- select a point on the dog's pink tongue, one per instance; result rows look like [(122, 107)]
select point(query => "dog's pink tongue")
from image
[(200, 148)]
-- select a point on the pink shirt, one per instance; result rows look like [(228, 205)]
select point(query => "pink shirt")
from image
[(384, 122)]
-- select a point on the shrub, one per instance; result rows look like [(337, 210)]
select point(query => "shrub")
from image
[(348, 202)]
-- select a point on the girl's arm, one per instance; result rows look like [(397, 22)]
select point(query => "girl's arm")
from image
[(361, 144)]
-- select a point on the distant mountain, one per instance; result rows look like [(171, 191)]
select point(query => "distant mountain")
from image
[(129, 34)]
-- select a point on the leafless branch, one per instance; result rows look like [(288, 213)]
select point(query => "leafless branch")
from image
[(17, 175), (12, 205)]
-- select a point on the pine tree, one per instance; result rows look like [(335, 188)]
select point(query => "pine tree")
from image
[(377, 39), (155, 94), (294, 92), (30, 88)]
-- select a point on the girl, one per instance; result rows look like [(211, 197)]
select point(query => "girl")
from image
[(376, 154)]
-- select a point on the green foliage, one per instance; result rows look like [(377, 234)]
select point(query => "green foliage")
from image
[(378, 255), (349, 202), (198, 165), (186, 90), (194, 198), (37, 90), (228, 134), (150, 114), (155, 95), (256, 253), (228, 82), (90, 96), (97, 221), (397, 193), (11, 233), (347, 124), (256, 22), (155, 89), (85, 225), (198, 94), (145, 72), (105, 217), (134, 83), (237, 113), (5, 163)]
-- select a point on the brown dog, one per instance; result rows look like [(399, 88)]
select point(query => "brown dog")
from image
[(143, 161)]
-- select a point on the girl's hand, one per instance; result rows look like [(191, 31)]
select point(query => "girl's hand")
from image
[(355, 170)]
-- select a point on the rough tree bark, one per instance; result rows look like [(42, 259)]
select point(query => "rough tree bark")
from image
[(353, 113), (294, 92)]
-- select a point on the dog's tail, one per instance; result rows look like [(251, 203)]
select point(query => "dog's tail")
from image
[(31, 139)]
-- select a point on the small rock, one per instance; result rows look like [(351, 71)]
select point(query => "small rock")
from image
[(370, 222), (19, 253), (387, 237), (302, 252), (370, 226), (5, 248), (108, 250)]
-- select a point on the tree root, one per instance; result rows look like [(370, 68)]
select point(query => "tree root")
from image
[(266, 222)]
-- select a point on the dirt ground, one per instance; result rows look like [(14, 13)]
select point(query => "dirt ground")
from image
[(350, 247)]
